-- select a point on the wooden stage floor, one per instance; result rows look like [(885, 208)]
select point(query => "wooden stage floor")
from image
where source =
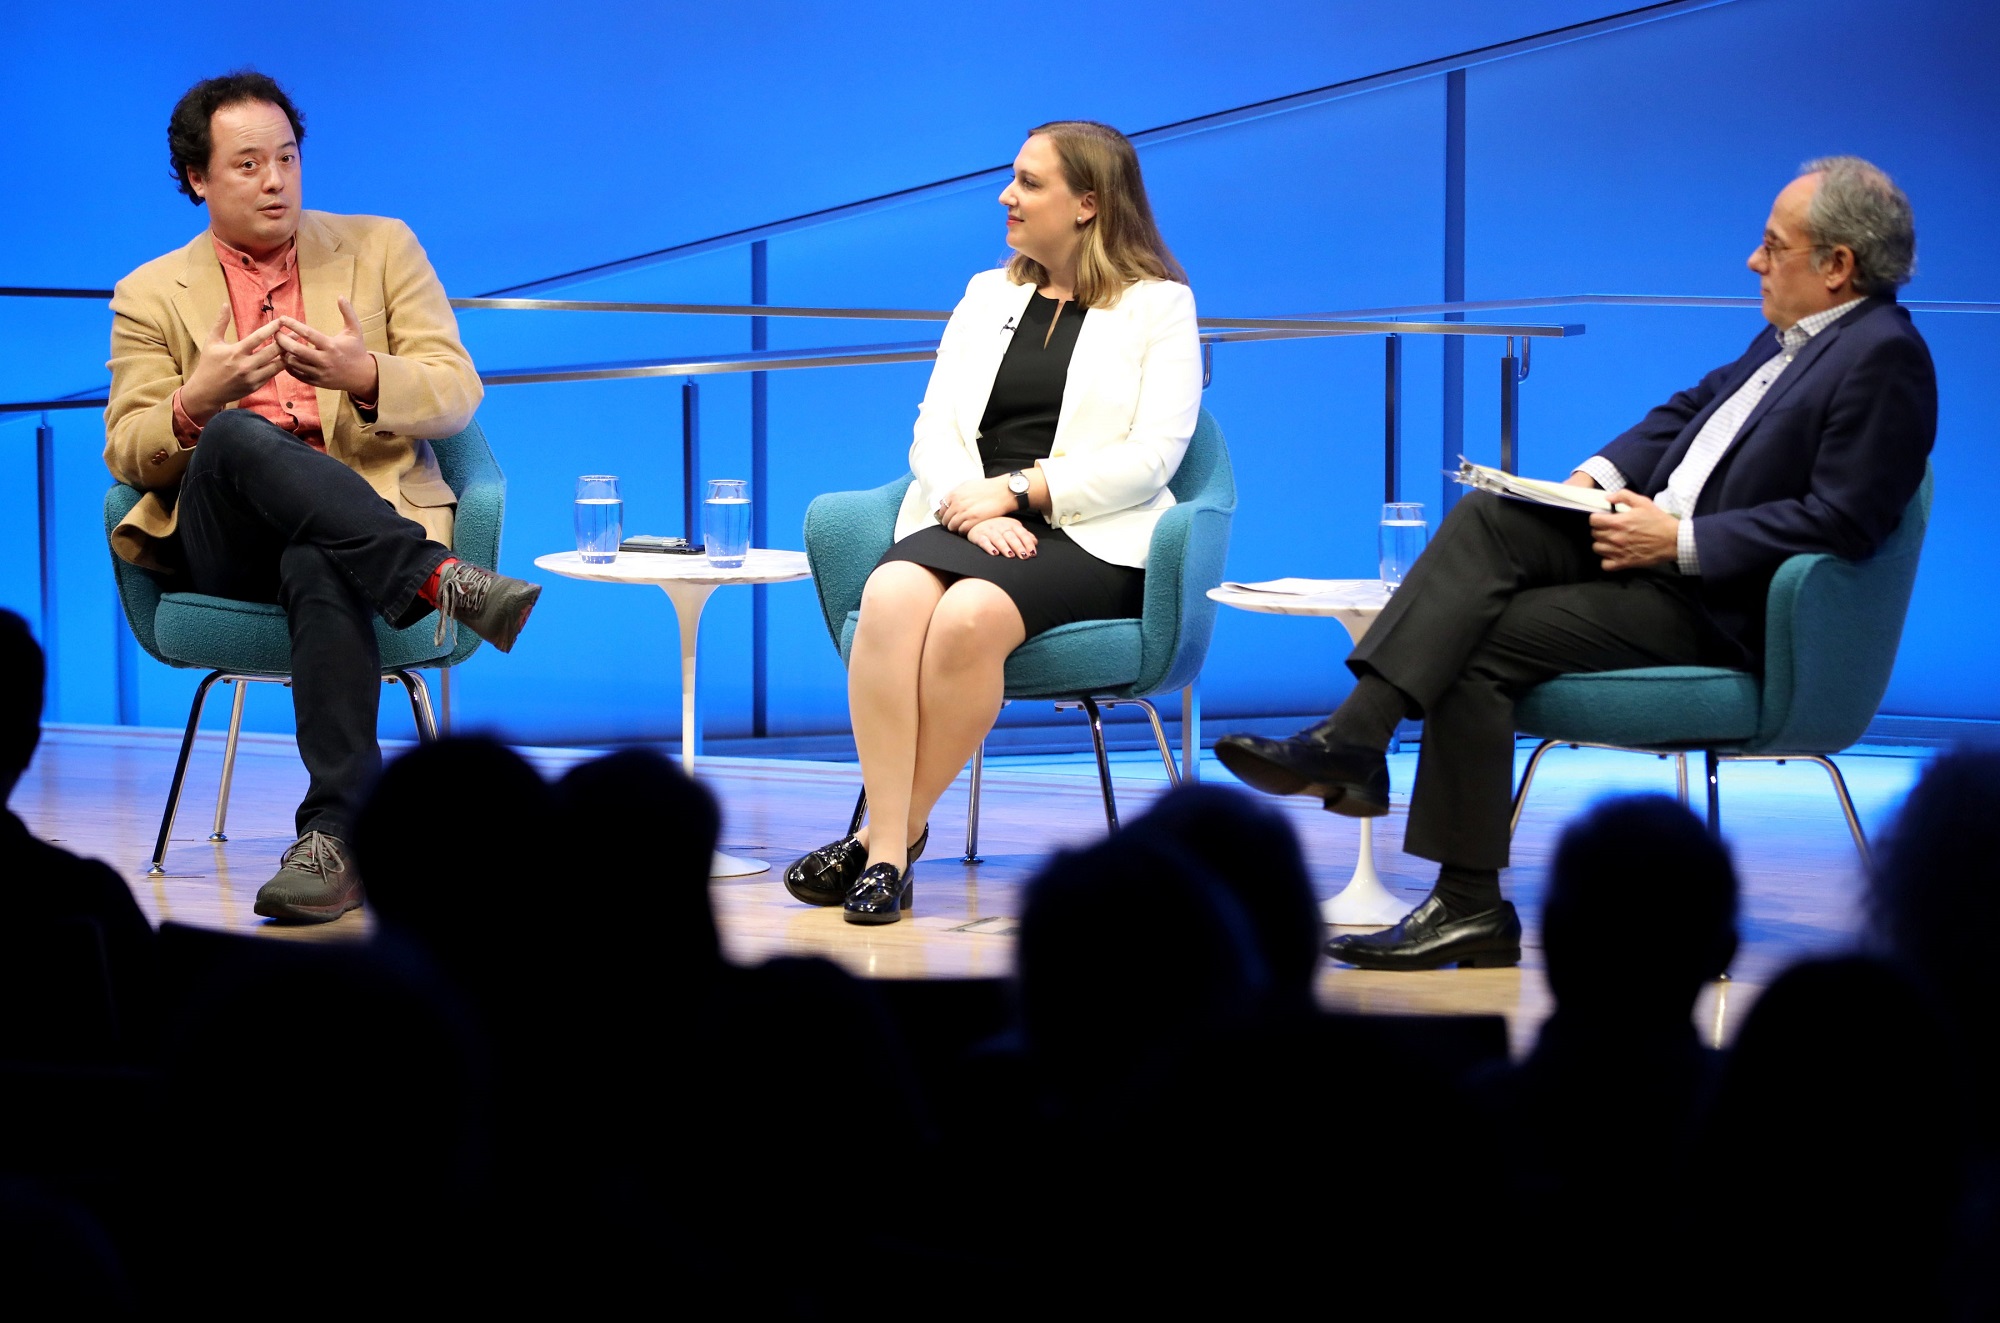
[(99, 792)]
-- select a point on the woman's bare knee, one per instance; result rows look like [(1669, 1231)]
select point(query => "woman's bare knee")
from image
[(975, 621), (899, 596)]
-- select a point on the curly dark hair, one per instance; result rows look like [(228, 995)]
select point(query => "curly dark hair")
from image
[(188, 141)]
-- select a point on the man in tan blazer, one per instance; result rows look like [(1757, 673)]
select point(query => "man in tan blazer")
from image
[(273, 384)]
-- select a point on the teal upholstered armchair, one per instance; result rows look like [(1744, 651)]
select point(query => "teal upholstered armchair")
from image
[(239, 642), (1831, 631), (1092, 664)]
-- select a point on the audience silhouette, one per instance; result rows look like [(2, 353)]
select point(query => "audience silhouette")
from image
[(1249, 848), (1933, 896), (1840, 1127), (514, 1095), (1639, 913), (76, 952)]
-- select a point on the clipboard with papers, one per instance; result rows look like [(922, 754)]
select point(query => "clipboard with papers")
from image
[(1536, 491)]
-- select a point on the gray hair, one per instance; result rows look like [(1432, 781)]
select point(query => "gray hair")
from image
[(1859, 206)]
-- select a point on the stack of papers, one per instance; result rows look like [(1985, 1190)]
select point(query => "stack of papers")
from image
[(1288, 587), (1536, 491)]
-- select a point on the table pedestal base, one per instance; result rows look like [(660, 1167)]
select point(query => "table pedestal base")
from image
[(734, 865), (1365, 902), (688, 584)]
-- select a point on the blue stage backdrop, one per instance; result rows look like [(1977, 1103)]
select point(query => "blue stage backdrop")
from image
[(527, 140)]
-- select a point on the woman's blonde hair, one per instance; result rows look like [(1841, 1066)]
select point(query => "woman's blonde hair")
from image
[(1121, 243)]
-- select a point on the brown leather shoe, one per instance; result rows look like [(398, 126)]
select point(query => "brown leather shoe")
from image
[(316, 882)]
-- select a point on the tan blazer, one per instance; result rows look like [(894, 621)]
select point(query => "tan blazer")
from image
[(161, 314), (1129, 407)]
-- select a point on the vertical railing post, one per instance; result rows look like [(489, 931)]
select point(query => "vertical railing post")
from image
[(760, 496), (124, 663), (691, 461), (45, 518), (1454, 283), (1510, 410), (1392, 417)]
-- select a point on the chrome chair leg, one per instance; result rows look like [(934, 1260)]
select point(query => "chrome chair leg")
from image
[(229, 760), (1103, 761), (1681, 777), (1854, 827), (420, 704), (1159, 738), (1191, 732), (159, 867), (1714, 793), (860, 811), (1846, 808), (1527, 779), (971, 855)]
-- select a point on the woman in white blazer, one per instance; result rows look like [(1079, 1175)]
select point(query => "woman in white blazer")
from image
[(1066, 388)]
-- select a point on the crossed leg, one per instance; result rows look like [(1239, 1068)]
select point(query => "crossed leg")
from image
[(923, 686)]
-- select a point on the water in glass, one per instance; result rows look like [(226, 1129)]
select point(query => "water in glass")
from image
[(1404, 533), (600, 518), (725, 522)]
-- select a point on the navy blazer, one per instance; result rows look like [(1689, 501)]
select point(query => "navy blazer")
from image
[(1827, 461)]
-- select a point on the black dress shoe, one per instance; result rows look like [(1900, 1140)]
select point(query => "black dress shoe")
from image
[(1428, 938), (825, 876), (1348, 778), (880, 895)]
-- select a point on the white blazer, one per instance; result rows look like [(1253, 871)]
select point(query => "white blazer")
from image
[(1129, 406)]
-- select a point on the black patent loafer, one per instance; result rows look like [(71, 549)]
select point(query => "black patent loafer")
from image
[(880, 895), (1428, 938), (826, 875), (1347, 778)]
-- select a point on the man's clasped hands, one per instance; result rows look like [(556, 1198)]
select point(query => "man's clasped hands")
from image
[(227, 372)]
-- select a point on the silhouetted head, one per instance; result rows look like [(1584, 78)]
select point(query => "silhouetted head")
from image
[(1640, 912), (21, 682), (454, 846), (1935, 891), (1126, 949), (649, 832), (1251, 849)]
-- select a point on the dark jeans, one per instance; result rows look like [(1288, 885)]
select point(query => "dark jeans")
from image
[(1506, 596), (264, 517)]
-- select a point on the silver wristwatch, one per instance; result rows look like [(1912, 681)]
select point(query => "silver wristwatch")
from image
[(1017, 483)]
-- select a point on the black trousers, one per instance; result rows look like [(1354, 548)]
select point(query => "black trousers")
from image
[(263, 517), (1506, 596)]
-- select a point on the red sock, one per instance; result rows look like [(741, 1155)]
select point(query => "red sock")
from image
[(429, 592)]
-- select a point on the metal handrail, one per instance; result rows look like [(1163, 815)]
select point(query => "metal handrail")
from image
[(1220, 119), (1216, 330), (1220, 330), (938, 315), (1620, 301)]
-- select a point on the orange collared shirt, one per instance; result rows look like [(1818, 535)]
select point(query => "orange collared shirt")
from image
[(260, 293)]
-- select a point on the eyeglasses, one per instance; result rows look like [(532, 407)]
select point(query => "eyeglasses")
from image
[(1772, 252)]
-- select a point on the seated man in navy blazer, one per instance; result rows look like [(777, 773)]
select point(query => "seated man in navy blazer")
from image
[(1813, 441)]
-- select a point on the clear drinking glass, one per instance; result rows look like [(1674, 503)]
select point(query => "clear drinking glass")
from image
[(725, 522), (1404, 534), (600, 518)]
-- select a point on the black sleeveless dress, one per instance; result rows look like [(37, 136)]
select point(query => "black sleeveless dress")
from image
[(1062, 583)]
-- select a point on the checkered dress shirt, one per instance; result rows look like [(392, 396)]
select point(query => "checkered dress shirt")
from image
[(1684, 486)]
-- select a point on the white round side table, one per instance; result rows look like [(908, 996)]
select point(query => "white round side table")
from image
[(687, 581), (1364, 901)]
